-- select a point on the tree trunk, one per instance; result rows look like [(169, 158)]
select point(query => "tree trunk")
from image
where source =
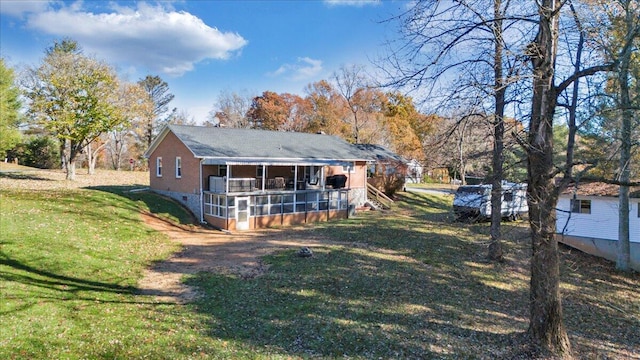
[(546, 327), (623, 258), (63, 154), (71, 166), (495, 246), (91, 162)]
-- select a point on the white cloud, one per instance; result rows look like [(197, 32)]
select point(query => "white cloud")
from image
[(356, 3), (304, 69), (152, 37), (21, 8)]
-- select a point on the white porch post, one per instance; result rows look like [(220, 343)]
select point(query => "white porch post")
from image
[(228, 177), (201, 195), (264, 176)]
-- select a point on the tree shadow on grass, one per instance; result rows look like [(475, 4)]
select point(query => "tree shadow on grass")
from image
[(156, 204), (21, 176), (361, 303), (53, 287)]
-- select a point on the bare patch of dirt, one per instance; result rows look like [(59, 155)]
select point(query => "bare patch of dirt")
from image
[(213, 251)]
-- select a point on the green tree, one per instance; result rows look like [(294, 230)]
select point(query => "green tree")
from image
[(41, 152), (158, 91), (73, 97), (9, 109)]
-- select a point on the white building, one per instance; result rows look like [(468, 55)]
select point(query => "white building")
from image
[(587, 219)]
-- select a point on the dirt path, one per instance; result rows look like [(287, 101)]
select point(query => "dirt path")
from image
[(213, 251)]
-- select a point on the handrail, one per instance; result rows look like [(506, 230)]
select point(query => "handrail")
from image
[(379, 195)]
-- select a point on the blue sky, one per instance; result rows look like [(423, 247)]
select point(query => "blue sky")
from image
[(204, 47)]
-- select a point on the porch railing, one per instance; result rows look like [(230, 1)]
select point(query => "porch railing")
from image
[(218, 184), (223, 205)]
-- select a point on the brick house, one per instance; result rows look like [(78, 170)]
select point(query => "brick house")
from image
[(240, 179)]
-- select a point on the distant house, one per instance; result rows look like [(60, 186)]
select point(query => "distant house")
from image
[(587, 219), (239, 179), (384, 164)]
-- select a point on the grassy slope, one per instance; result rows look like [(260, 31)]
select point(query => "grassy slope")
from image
[(69, 263), (408, 284)]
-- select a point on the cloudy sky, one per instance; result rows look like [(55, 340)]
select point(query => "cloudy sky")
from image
[(204, 47)]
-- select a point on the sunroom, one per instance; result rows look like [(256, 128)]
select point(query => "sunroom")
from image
[(248, 194)]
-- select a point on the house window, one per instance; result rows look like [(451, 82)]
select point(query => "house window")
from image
[(222, 170), (178, 167), (581, 206), (508, 196), (259, 171), (348, 169), (159, 166)]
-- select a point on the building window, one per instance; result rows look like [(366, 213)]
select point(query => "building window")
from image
[(222, 170), (259, 171), (581, 206), (349, 169), (159, 167), (508, 196), (178, 167)]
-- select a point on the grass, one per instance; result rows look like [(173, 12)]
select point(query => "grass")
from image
[(69, 264), (410, 283)]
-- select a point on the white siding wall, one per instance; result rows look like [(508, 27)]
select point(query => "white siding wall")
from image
[(602, 223)]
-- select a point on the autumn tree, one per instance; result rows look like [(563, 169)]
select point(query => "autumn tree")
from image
[(73, 97), (327, 110), (9, 109), (401, 118), (268, 111)]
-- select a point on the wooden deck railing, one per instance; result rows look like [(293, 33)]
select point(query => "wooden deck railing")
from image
[(374, 194)]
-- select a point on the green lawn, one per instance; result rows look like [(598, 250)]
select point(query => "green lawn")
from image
[(410, 283)]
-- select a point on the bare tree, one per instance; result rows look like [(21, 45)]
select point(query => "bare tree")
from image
[(435, 51), (363, 101), (230, 110)]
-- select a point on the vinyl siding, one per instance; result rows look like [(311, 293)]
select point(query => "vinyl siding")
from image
[(602, 223)]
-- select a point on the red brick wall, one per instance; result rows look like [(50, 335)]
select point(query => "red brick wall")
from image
[(169, 149)]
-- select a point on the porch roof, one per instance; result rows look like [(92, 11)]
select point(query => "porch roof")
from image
[(261, 147), (273, 162)]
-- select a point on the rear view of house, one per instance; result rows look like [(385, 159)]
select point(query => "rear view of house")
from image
[(239, 179), (587, 219)]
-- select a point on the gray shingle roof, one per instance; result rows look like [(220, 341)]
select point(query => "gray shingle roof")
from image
[(379, 153), (262, 145)]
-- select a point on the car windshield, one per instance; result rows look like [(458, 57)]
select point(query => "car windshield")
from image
[(470, 190)]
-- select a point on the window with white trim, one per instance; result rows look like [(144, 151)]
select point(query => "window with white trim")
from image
[(349, 169), (178, 167), (159, 166), (581, 206)]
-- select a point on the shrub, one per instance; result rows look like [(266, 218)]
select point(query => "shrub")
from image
[(41, 152)]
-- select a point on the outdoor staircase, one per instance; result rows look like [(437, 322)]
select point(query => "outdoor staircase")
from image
[(377, 199)]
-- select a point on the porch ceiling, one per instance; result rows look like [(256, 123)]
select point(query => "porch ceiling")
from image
[(275, 162)]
